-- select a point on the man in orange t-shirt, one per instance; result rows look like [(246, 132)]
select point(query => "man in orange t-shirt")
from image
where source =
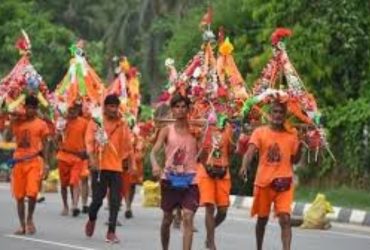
[(278, 150), (85, 174), (71, 157), (132, 178), (109, 148), (214, 178), (31, 135)]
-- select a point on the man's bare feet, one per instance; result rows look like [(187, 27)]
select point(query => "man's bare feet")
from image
[(30, 228), (209, 246), (64, 212), (20, 231)]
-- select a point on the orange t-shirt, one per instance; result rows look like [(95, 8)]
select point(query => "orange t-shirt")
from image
[(222, 140), (29, 136), (73, 139), (276, 149), (117, 149)]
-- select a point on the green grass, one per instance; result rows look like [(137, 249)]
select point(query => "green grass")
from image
[(340, 197)]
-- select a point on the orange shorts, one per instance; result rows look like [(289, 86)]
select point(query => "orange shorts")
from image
[(26, 178), (137, 177), (70, 172), (85, 172), (264, 197), (126, 183), (214, 191)]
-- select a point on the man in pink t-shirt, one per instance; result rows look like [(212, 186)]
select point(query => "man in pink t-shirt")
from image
[(180, 164)]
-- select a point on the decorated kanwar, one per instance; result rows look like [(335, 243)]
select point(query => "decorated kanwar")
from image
[(164, 125), (23, 93)]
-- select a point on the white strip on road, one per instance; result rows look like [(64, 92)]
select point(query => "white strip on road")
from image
[(352, 235), (47, 242), (315, 233)]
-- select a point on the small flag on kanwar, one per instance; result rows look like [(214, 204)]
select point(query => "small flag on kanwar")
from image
[(207, 17)]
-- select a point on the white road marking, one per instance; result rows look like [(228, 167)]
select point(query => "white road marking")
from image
[(240, 215), (361, 236), (47, 242), (301, 232)]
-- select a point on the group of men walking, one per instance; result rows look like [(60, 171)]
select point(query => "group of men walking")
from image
[(207, 177), (193, 174)]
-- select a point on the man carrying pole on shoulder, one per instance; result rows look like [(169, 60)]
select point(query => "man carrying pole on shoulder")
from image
[(215, 179), (30, 162), (178, 177), (71, 157), (278, 150), (110, 150)]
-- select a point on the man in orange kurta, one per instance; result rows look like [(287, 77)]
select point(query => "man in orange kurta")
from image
[(31, 135), (109, 148), (85, 174), (278, 149), (214, 179), (72, 158), (132, 178)]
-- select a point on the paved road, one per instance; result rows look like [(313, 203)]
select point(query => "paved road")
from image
[(142, 232)]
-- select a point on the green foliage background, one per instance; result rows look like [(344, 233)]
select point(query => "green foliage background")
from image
[(330, 48)]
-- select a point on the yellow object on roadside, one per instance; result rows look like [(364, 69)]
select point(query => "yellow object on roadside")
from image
[(53, 175), (50, 185), (152, 194), (315, 217)]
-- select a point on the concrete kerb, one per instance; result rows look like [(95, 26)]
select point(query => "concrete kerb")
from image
[(340, 214)]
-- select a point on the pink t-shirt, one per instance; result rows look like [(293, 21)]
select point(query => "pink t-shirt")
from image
[(181, 152)]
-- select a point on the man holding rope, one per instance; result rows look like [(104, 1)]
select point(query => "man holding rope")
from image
[(178, 181), (110, 150), (71, 157), (278, 150), (30, 161)]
